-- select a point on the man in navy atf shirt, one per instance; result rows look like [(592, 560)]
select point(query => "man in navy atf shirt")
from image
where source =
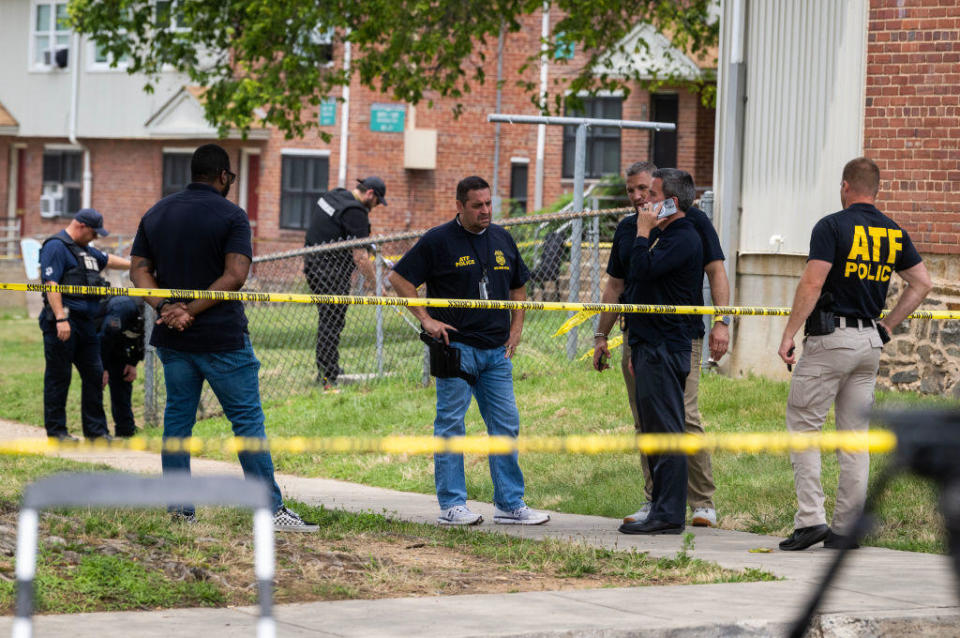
[(198, 240), (471, 258)]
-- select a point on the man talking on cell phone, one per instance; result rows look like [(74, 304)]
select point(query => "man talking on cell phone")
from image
[(841, 294)]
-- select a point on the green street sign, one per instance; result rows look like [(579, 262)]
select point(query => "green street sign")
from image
[(387, 118), (328, 113)]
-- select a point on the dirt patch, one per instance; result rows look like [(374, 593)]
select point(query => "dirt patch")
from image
[(309, 567)]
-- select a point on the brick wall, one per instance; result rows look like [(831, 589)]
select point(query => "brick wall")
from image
[(127, 181), (912, 116), (465, 145)]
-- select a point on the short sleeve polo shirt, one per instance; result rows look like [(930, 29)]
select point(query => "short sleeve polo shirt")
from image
[(452, 261), (187, 237)]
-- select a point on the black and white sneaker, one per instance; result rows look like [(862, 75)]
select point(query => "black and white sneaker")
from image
[(286, 520)]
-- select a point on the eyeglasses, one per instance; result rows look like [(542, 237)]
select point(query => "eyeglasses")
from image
[(231, 177)]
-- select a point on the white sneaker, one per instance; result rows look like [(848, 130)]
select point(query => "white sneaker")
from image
[(704, 517), (522, 516), (286, 520), (459, 515), (640, 515)]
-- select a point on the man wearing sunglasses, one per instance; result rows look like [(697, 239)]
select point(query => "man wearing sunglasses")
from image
[(198, 240)]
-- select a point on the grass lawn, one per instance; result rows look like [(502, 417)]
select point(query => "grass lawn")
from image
[(754, 492), (105, 560)]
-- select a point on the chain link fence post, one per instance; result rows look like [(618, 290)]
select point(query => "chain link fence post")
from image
[(378, 289), (595, 260)]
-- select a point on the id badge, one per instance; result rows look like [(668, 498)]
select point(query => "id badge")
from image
[(483, 287)]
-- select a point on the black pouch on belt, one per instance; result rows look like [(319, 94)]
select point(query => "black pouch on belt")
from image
[(445, 361), (821, 320)]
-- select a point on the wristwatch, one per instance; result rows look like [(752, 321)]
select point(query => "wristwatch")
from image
[(160, 305), (724, 319), (598, 335)]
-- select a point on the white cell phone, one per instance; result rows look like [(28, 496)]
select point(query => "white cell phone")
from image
[(669, 208)]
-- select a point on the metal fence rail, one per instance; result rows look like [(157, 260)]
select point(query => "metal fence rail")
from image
[(379, 343)]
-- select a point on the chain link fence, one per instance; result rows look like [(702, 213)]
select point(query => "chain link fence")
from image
[(303, 346)]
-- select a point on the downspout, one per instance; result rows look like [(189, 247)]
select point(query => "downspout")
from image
[(729, 160), (344, 118), (87, 193), (496, 129), (542, 128)]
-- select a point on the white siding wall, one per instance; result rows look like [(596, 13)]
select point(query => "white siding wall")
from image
[(805, 62), (112, 103)]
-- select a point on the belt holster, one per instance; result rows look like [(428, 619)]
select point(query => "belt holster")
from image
[(821, 321), (445, 360)]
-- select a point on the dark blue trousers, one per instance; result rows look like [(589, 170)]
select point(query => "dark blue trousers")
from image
[(120, 397), (660, 378), (82, 350)]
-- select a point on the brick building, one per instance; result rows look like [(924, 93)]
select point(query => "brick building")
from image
[(75, 132)]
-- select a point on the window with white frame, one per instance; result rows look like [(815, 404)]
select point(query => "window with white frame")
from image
[(303, 179), (101, 60), (603, 142), (49, 32), (62, 182), (169, 15), (176, 171)]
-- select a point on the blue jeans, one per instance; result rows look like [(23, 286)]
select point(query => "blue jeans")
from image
[(494, 393), (232, 376)]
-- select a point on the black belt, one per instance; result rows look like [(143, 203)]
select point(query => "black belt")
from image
[(853, 322)]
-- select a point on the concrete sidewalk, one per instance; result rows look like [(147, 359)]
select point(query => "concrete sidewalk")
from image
[(880, 591)]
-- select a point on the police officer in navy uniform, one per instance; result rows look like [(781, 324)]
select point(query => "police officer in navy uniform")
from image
[(339, 215), (842, 291), (69, 325), (121, 349)]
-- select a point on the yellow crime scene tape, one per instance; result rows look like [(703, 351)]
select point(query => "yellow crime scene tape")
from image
[(877, 441), (478, 304)]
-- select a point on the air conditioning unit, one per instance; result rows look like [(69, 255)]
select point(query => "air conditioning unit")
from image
[(56, 58), (52, 201)]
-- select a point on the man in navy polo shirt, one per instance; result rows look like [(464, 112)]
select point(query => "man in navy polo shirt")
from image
[(198, 240), (69, 325), (471, 258)]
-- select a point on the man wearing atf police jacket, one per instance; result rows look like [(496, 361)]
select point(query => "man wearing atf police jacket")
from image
[(339, 215), (69, 324), (839, 299)]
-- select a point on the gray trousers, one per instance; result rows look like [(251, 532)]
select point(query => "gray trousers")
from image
[(837, 369), (700, 487)]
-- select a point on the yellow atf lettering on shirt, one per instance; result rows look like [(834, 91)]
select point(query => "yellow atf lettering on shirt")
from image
[(466, 260), (868, 250)]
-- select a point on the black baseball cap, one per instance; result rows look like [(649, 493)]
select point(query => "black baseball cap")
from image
[(93, 219), (376, 185)]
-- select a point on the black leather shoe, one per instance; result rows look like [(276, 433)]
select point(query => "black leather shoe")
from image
[(65, 436), (804, 537), (651, 527), (839, 541)]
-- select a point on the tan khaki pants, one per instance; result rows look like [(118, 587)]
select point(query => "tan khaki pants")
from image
[(838, 368), (700, 487)]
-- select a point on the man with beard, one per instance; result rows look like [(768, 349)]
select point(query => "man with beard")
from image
[(197, 239)]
